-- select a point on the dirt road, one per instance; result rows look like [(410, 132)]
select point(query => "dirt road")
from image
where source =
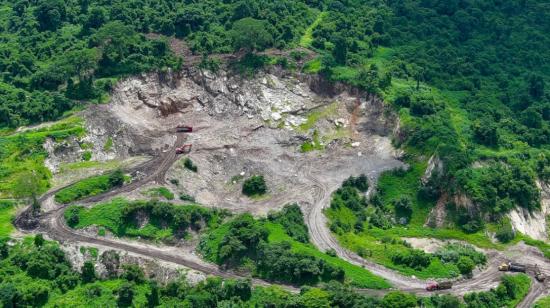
[(323, 238)]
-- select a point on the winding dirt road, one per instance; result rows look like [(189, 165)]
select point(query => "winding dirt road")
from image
[(53, 224), (323, 238)]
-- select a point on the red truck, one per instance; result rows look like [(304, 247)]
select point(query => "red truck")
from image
[(184, 129), (435, 286)]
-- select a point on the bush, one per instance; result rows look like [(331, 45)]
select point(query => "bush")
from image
[(254, 186), (403, 208), (87, 155), (414, 258), (361, 182), (188, 163), (451, 253), (465, 265), (505, 233), (186, 197), (292, 220)]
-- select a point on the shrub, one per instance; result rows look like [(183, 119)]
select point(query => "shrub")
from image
[(87, 155), (403, 207), (361, 182), (465, 265), (188, 163), (450, 253), (414, 258), (74, 217), (254, 186), (505, 233), (292, 220), (186, 197)]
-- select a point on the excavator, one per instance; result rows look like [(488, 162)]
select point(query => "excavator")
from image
[(184, 149)]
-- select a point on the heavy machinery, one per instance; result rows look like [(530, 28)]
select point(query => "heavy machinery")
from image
[(435, 286), (184, 149), (539, 276), (184, 129), (512, 267)]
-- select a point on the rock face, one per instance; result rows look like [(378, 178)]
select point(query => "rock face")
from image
[(534, 224), (155, 101), (109, 264)]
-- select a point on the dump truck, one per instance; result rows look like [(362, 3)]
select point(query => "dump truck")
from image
[(435, 286), (184, 129), (184, 149), (512, 267)]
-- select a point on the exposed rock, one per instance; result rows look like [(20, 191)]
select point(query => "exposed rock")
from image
[(533, 224), (434, 164)]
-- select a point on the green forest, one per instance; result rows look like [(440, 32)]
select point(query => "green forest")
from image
[(467, 80)]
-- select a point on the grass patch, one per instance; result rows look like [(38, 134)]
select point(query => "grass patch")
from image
[(90, 187), (108, 144), (313, 66), (543, 302), (23, 152), (307, 38), (107, 295), (313, 145), (7, 210), (373, 249), (357, 275), (159, 192), (144, 219), (317, 115)]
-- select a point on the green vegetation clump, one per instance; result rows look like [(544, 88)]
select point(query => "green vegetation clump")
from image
[(108, 146), (254, 186), (246, 239), (509, 293), (86, 156), (90, 187), (292, 220), (543, 302), (454, 251), (188, 164), (505, 233), (7, 210), (369, 228), (245, 243), (22, 156), (27, 279), (186, 197), (152, 220), (158, 192)]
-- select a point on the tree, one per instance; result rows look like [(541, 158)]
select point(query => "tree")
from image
[(38, 240), (125, 295), (8, 295), (536, 86), (116, 178), (28, 186), (132, 272), (340, 51), (153, 296), (88, 272), (465, 265), (254, 186), (396, 299), (251, 34)]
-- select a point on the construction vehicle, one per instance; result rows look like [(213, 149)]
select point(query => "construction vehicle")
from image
[(184, 129), (539, 276), (435, 286), (512, 267), (184, 149)]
